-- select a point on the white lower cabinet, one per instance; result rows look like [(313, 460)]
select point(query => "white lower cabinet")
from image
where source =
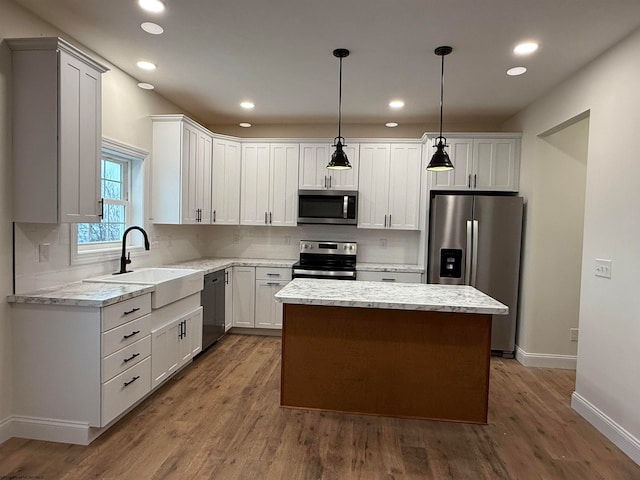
[(244, 280), (392, 277), (268, 282), (174, 343)]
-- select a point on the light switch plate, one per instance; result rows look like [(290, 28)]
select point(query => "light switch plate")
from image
[(603, 268)]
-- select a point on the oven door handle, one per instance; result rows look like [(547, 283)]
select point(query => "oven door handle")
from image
[(324, 273)]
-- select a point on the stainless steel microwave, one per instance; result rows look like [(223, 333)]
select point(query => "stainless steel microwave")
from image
[(338, 207)]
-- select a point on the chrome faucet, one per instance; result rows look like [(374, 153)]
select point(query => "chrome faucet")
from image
[(126, 259)]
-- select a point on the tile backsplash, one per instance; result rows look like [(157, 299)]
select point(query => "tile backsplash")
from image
[(173, 243)]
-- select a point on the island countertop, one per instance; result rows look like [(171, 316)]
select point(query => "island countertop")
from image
[(396, 296)]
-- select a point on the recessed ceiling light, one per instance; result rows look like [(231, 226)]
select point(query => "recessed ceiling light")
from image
[(525, 48), (515, 71), (152, 28), (146, 86), (247, 105), (391, 124), (245, 125), (146, 65), (396, 104), (155, 6)]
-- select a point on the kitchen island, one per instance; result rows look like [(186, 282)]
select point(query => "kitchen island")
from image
[(407, 350)]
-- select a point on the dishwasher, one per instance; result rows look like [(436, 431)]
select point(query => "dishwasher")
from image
[(212, 299)]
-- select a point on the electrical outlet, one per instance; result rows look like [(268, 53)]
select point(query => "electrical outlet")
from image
[(573, 334), (603, 268), (43, 252)]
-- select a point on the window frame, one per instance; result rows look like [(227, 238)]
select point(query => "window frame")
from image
[(99, 252)]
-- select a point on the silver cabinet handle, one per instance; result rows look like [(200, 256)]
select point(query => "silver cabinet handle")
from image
[(226, 278), (270, 220), (389, 220), (388, 279), (265, 218), (475, 180), (385, 221), (330, 181), (273, 283), (469, 181), (214, 216), (273, 274), (325, 182)]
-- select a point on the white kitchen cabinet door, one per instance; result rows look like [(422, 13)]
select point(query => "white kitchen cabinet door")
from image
[(313, 171), (196, 175), (228, 298), (165, 353), (373, 191), (254, 190), (312, 168), (283, 210), (181, 168), (268, 311), (495, 163), (57, 131), (193, 333), (244, 280), (404, 187), (226, 182)]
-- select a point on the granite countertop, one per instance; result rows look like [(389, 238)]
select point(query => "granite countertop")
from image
[(390, 267), (209, 265), (398, 296), (83, 294)]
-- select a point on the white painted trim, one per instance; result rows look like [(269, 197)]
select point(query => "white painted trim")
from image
[(626, 442), (53, 430), (6, 430), (546, 360)]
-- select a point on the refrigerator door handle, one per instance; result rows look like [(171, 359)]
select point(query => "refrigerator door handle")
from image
[(467, 259), (474, 264)]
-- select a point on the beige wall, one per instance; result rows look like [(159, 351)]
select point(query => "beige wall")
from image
[(607, 386)]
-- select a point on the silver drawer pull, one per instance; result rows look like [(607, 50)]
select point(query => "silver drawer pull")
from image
[(135, 332), (273, 274), (131, 357), (273, 283), (132, 311), (388, 279), (126, 384)]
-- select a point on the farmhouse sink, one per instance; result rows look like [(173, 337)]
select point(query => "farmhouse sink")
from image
[(171, 284)]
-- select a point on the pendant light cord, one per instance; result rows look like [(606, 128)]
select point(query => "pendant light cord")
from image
[(340, 103), (441, 93)]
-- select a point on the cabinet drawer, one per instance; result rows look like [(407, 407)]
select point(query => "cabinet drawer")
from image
[(397, 277), (126, 334), (124, 390), (125, 358), (122, 312), (273, 273)]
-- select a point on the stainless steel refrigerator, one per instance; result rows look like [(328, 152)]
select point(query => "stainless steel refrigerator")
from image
[(475, 240)]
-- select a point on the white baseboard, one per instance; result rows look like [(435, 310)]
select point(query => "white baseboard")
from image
[(53, 430), (546, 360), (5, 430), (626, 442)]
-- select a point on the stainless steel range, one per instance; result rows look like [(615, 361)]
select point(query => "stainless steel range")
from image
[(331, 260)]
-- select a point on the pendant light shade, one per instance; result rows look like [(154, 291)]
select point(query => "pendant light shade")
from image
[(339, 160), (440, 161)]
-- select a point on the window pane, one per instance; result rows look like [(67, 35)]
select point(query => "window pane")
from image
[(111, 189), (112, 170)]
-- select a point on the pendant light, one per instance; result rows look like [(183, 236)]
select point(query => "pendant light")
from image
[(440, 161), (339, 160)]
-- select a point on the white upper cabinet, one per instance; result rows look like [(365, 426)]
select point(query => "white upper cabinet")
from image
[(226, 182), (389, 186), (57, 131), (181, 165), (482, 164), (313, 172), (269, 186)]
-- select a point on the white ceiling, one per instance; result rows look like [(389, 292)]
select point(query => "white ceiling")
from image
[(278, 53)]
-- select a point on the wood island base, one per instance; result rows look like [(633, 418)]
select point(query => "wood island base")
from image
[(404, 363)]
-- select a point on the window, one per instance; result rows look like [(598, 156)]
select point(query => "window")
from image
[(121, 186)]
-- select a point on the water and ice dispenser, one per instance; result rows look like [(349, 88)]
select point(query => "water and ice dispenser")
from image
[(451, 262)]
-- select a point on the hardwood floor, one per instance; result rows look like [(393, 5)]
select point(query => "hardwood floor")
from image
[(220, 419)]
